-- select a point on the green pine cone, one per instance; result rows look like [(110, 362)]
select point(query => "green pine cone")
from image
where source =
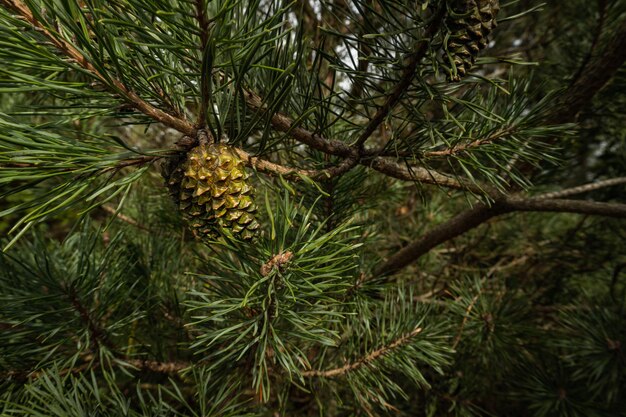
[(469, 23), (210, 187)]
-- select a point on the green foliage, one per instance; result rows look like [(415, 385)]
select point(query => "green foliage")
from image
[(492, 126), (56, 395), (420, 347), (60, 168), (110, 306), (275, 310)]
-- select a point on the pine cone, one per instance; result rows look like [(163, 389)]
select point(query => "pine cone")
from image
[(469, 22), (210, 187)]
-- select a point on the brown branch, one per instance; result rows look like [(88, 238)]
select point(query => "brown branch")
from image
[(295, 174), (426, 176), (262, 165), (597, 73), (67, 49), (441, 233), (459, 148), (285, 124), (405, 81), (370, 357), (387, 166), (480, 214), (594, 208), (584, 188)]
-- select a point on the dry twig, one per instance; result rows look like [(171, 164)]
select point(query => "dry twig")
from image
[(367, 359)]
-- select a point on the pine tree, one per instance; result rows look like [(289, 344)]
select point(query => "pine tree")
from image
[(332, 208)]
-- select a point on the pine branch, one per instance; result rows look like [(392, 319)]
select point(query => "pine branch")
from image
[(583, 188), (471, 305), (480, 214), (387, 166), (367, 359), (598, 72), (452, 228), (272, 168), (285, 124), (426, 176), (405, 81), (459, 148), (295, 174), (116, 86), (593, 208)]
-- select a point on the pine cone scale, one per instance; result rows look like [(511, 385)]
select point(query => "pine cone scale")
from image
[(469, 23), (211, 189)]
